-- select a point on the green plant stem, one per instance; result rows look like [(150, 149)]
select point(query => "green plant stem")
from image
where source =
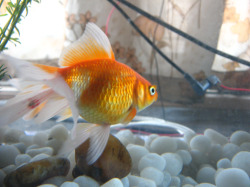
[(12, 22)]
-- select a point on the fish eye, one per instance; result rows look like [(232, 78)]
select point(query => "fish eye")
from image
[(152, 90)]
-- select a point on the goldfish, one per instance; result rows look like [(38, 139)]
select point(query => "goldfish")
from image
[(89, 83)]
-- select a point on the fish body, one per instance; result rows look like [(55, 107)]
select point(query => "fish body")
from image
[(89, 83)]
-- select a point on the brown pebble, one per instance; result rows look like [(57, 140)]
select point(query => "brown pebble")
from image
[(115, 162), (34, 173)]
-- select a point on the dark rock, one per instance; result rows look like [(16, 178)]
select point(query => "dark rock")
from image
[(35, 173), (115, 161)]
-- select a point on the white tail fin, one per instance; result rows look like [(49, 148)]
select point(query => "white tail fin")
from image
[(43, 93), (98, 135)]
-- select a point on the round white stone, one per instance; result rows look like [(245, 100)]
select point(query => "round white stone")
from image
[(45, 150), (201, 143), (215, 137), (245, 146), (27, 140), (69, 184), (113, 182), (167, 179), (33, 146), (206, 175), (54, 144), (152, 174), (224, 163), (12, 135), (198, 157), (8, 155), (181, 144), (232, 177), (39, 157), (185, 156), (2, 176), (125, 182), (22, 158), (84, 181), (239, 137), (40, 138), (21, 147), (205, 185), (152, 160), (188, 136), (242, 160), (8, 169), (174, 163), (229, 150), (215, 153), (189, 180), (57, 180), (59, 132), (163, 144), (175, 181), (136, 152), (47, 185), (126, 137), (149, 140), (140, 181), (139, 141), (187, 185)]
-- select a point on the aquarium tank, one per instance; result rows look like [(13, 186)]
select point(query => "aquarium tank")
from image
[(120, 93)]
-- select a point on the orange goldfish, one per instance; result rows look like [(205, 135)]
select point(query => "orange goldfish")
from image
[(90, 83)]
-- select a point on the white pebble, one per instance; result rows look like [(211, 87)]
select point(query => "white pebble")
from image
[(206, 175), (152, 174), (163, 144), (40, 138), (139, 141), (27, 140), (167, 179), (45, 150), (59, 132), (55, 145), (181, 144), (239, 137), (224, 163), (39, 157), (175, 181), (126, 137), (85, 181), (2, 131), (215, 153), (215, 137), (188, 136), (232, 177), (149, 140), (33, 146), (8, 169), (205, 185), (22, 158), (245, 146), (113, 182), (174, 163), (229, 150), (12, 135), (21, 147), (47, 185), (8, 154), (57, 180), (198, 157), (187, 185), (69, 184), (242, 160), (140, 182), (201, 143), (189, 180), (2, 176), (185, 156), (136, 152), (125, 182), (152, 160)]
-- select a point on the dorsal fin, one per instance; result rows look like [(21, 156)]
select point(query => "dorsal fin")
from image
[(93, 44)]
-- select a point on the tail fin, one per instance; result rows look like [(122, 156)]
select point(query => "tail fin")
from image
[(43, 93)]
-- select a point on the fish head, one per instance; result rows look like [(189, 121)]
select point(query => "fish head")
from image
[(146, 93)]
